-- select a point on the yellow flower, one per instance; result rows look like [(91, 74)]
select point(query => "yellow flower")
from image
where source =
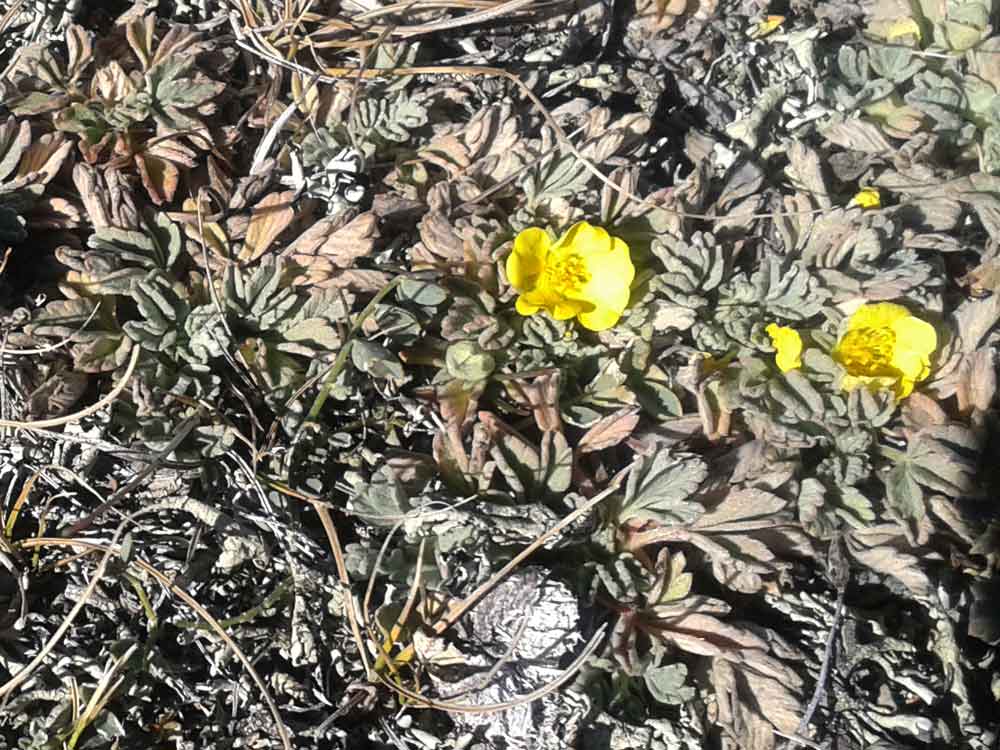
[(885, 346), (586, 274), (868, 197), (788, 346), (767, 26)]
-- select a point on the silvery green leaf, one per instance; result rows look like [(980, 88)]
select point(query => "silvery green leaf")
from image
[(895, 63), (945, 458), (399, 324), (206, 334), (868, 409), (904, 496), (555, 177), (656, 397), (782, 434), (307, 336), (692, 267), (163, 312), (853, 64), (312, 328), (376, 360), (855, 507), (466, 360), (658, 489), (790, 293), (388, 118), (534, 473), (623, 577), (942, 99), (991, 150), (135, 247), (801, 400), (257, 296), (424, 293), (99, 344), (667, 684), (853, 441), (819, 365), (556, 463), (380, 500), (814, 515)]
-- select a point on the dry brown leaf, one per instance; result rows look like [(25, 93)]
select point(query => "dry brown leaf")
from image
[(214, 235), (609, 431), (542, 397), (706, 635), (45, 156), (438, 240), (106, 197), (139, 33), (111, 83), (859, 135), (357, 280), (324, 254), (338, 244), (805, 172), (977, 387), (80, 48), (159, 177), (881, 549), (268, 219)]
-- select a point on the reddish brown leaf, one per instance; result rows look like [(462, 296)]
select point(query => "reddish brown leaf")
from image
[(609, 431), (159, 177), (269, 218)]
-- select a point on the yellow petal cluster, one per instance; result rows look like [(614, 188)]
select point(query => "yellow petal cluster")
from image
[(884, 346), (788, 346), (586, 274), (767, 26), (868, 197)]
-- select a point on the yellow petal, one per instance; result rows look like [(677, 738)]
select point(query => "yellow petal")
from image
[(611, 274), (583, 239), (916, 340), (526, 261), (872, 382), (868, 197), (568, 308), (526, 308), (599, 319), (767, 26), (877, 315), (904, 388), (788, 346)]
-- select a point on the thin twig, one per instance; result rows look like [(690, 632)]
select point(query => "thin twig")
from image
[(92, 409), (181, 594), (247, 39)]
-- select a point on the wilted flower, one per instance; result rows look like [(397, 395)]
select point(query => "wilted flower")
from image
[(885, 346), (788, 346), (868, 197), (586, 274)]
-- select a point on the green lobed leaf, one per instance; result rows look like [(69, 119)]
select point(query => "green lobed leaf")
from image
[(658, 489)]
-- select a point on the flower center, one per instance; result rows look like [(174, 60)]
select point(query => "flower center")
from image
[(567, 274), (867, 351)]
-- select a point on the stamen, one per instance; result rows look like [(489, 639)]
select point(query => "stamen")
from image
[(867, 351), (567, 274)]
